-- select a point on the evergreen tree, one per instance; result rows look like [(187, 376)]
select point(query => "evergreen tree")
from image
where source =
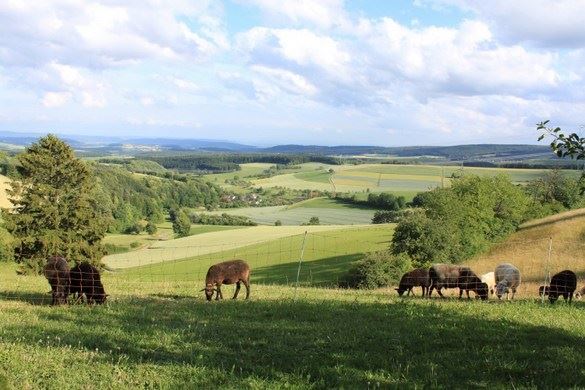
[(181, 224), (55, 208)]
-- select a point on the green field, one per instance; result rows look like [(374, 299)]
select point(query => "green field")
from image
[(327, 257), (404, 180), (329, 211), (164, 335)]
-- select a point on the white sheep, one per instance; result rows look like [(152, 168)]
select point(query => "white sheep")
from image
[(580, 293), (507, 277), (490, 280)]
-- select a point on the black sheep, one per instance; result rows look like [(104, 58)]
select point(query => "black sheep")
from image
[(85, 279), (228, 272), (414, 278), (57, 273), (564, 283)]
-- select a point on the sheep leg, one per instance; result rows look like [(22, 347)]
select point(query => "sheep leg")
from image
[(439, 291), (424, 290), (219, 294), (247, 284), (460, 293), (467, 292), (513, 292), (570, 297), (237, 290)]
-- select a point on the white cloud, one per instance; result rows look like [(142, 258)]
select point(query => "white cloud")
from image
[(320, 13), (55, 99)]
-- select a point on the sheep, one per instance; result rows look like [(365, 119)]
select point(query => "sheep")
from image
[(579, 294), (543, 290), (57, 273), (563, 283), (414, 278), (469, 281), (227, 272), (443, 275), (85, 279), (490, 280), (507, 278)]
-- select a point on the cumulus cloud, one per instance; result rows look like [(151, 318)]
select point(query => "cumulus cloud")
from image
[(324, 14)]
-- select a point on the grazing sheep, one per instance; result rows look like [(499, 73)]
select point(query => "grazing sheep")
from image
[(85, 279), (57, 273), (414, 278), (228, 272), (564, 283), (507, 278), (469, 281), (543, 290), (579, 294), (490, 280), (443, 276)]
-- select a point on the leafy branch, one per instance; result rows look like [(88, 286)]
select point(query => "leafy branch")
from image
[(563, 145)]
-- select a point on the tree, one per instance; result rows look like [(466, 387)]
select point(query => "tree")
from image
[(151, 228), (563, 145), (55, 209), (181, 224)]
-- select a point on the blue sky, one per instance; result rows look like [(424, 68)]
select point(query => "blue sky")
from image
[(433, 72)]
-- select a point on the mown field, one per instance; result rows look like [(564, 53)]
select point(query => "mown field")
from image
[(164, 335), (406, 180), (4, 185), (329, 212)]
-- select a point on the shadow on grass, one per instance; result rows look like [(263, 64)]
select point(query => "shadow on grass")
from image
[(325, 344), (320, 272), (26, 296)]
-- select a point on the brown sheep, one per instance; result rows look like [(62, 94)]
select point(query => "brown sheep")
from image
[(228, 272), (85, 279), (562, 284), (57, 273), (414, 278), (452, 276), (469, 281)]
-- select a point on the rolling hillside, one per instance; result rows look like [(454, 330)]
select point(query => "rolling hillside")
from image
[(528, 249)]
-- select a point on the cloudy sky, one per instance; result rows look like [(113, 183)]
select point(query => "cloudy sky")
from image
[(432, 72)]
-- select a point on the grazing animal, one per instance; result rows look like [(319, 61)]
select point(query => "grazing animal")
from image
[(490, 280), (469, 281), (452, 276), (228, 272), (414, 278), (543, 290), (85, 279), (57, 273), (563, 283), (579, 294), (507, 278)]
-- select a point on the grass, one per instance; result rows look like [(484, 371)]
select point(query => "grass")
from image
[(528, 249), (213, 242), (329, 211), (164, 335), (327, 256)]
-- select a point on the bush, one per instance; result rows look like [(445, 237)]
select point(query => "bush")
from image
[(151, 228), (182, 224), (377, 269), (278, 222), (223, 219), (312, 221)]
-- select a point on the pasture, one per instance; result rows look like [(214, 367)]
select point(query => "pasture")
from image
[(4, 185), (406, 180), (329, 211), (164, 335)]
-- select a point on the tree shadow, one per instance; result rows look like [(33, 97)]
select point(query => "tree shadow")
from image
[(324, 344)]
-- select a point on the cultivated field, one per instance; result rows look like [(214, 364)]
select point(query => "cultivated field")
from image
[(404, 180), (329, 211), (4, 202)]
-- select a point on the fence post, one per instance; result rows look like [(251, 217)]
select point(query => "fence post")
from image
[(547, 268), (300, 262)]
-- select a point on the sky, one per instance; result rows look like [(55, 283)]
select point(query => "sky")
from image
[(266, 72)]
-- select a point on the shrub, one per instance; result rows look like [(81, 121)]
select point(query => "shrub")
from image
[(377, 269), (278, 222), (312, 221)]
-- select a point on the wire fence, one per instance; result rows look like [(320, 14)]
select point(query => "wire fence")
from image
[(322, 259)]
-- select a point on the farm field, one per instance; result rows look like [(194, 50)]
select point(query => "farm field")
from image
[(404, 180), (164, 335), (212, 242), (4, 185), (327, 256), (329, 211)]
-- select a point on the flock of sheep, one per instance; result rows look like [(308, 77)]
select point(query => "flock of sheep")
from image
[(505, 278), (84, 280)]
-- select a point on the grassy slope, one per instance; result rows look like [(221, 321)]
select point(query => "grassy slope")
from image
[(327, 257), (4, 202), (162, 335), (207, 243), (330, 212), (528, 250)]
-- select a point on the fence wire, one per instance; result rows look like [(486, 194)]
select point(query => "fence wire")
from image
[(305, 260)]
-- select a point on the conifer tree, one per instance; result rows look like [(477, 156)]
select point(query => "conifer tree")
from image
[(55, 209)]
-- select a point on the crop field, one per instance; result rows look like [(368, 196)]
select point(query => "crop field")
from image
[(404, 180), (327, 256), (213, 242), (329, 212), (164, 335)]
